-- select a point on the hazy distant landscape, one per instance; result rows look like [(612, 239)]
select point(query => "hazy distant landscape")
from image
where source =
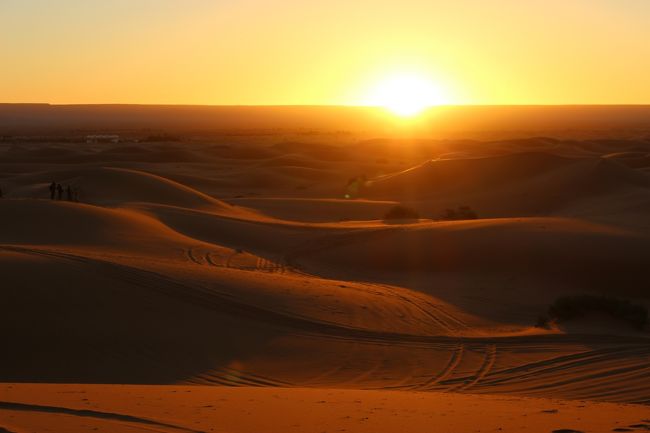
[(443, 122)]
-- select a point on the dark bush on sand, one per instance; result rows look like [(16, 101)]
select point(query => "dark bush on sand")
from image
[(543, 322), (573, 307), (401, 213)]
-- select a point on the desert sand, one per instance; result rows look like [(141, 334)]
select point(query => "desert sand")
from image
[(188, 268), (138, 408)]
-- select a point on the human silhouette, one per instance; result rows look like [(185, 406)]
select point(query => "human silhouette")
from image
[(0, 192), (52, 190), (59, 192), (68, 193)]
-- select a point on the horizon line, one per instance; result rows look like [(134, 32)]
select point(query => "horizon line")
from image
[(128, 104)]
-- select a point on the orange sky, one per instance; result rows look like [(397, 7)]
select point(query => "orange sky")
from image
[(334, 52)]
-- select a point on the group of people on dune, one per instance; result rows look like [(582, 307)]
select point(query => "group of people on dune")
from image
[(57, 190)]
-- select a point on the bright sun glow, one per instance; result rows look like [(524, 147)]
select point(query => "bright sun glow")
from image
[(406, 95)]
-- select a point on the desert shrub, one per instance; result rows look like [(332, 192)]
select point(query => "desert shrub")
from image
[(461, 213), (543, 322), (400, 212), (571, 307)]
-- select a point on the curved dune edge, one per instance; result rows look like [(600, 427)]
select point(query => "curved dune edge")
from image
[(117, 186)]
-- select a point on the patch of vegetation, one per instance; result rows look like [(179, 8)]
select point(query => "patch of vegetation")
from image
[(543, 322), (461, 213), (573, 307), (400, 212)]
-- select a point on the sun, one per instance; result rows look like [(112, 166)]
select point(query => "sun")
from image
[(406, 95)]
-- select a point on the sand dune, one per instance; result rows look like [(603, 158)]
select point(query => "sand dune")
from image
[(459, 174), (41, 222), (631, 159), (552, 250), (210, 263), (317, 210), (517, 184), (115, 186)]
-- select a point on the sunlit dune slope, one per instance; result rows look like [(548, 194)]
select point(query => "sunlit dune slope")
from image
[(515, 184)]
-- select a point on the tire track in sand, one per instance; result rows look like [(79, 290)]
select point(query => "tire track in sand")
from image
[(261, 264), (490, 356), (226, 302), (189, 253), (454, 361)]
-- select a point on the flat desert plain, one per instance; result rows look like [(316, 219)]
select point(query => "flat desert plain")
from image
[(254, 284)]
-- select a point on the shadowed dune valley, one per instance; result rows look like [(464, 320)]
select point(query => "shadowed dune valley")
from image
[(278, 283)]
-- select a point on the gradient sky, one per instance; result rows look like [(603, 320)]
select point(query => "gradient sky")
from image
[(323, 52)]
